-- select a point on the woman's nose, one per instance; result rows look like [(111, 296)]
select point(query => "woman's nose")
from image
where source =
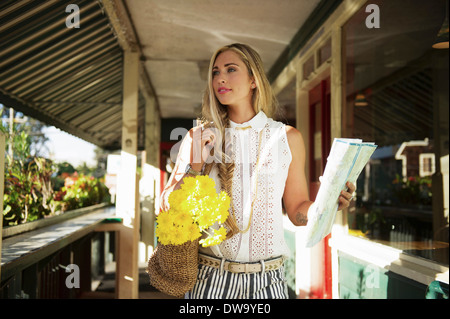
[(220, 79)]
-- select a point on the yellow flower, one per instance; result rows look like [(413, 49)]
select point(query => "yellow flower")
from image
[(200, 186), (181, 218), (179, 236), (224, 204), (221, 233), (164, 220), (203, 221), (163, 235), (193, 231), (217, 238), (194, 208), (176, 198)]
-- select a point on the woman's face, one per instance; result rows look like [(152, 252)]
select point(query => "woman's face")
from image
[(231, 81)]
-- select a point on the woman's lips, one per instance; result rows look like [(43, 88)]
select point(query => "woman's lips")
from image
[(223, 90)]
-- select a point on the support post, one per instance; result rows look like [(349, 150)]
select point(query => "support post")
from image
[(149, 183), (2, 186), (127, 206)]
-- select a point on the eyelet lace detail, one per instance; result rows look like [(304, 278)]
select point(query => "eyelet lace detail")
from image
[(265, 239)]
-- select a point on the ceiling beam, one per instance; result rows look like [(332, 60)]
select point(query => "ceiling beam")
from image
[(40, 115)]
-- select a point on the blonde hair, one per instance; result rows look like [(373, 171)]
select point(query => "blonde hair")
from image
[(216, 115)]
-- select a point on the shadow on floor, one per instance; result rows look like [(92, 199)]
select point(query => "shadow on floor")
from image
[(106, 288)]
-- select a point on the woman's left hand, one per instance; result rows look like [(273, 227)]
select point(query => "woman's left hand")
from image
[(346, 196)]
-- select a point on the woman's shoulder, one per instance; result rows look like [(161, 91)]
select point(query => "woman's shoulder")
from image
[(292, 131), (295, 138)]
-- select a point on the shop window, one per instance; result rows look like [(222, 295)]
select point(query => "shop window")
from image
[(396, 95), (324, 53), (427, 166), (308, 67)]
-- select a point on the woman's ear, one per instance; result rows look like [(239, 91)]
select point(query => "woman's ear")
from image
[(253, 82)]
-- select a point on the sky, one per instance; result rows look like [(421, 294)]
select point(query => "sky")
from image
[(64, 147)]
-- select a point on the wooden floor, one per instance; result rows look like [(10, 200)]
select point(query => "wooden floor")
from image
[(105, 288)]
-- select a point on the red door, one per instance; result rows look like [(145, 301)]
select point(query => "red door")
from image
[(320, 143)]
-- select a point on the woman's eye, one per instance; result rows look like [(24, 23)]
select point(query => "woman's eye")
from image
[(231, 70), (214, 73)]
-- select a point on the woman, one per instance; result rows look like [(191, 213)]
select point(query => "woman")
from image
[(260, 163)]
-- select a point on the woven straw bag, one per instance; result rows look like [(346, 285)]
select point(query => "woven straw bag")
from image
[(173, 269)]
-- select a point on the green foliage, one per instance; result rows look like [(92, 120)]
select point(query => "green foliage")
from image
[(82, 191), (33, 190), (28, 192), (414, 190), (63, 170)]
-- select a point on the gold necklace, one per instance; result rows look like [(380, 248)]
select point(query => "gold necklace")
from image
[(255, 193)]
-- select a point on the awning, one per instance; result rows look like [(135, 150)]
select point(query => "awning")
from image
[(67, 77)]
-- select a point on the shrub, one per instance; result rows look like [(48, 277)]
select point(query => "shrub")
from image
[(82, 191)]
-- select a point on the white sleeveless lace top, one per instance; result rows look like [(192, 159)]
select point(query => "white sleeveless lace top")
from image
[(265, 238)]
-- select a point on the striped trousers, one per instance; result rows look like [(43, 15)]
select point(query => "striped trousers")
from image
[(214, 283)]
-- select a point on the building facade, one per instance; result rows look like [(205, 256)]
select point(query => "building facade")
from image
[(371, 71)]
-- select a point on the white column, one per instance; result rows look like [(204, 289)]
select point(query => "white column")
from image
[(127, 206), (150, 179)]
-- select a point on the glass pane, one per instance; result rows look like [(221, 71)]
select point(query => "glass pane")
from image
[(397, 96), (308, 67), (325, 52)]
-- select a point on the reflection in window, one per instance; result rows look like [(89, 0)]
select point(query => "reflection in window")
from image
[(396, 88), (324, 53), (308, 67)]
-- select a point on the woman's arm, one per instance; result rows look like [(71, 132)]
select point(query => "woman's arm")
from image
[(187, 154), (178, 172), (296, 195)]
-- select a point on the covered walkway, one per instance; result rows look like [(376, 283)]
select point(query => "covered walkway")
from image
[(123, 74)]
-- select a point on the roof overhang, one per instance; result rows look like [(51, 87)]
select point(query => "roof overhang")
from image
[(72, 78)]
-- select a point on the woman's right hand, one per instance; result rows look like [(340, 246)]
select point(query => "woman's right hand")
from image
[(202, 142)]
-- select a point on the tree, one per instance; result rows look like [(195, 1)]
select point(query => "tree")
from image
[(13, 122)]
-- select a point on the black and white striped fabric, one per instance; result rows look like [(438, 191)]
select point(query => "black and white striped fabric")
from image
[(214, 283)]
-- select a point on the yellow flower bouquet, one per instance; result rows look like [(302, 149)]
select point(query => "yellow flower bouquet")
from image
[(196, 210)]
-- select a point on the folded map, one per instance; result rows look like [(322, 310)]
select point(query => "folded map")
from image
[(347, 159)]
